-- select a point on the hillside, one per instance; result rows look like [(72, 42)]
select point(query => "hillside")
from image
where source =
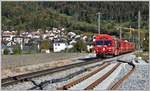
[(30, 16)]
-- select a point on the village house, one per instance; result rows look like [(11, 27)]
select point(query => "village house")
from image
[(8, 33), (71, 35), (44, 36), (26, 40), (33, 45), (29, 35), (7, 37), (59, 46), (19, 40), (30, 41), (7, 45), (72, 42), (10, 43), (36, 34)]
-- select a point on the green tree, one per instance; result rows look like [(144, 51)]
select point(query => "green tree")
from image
[(45, 44), (17, 50), (6, 51), (146, 42), (51, 45), (80, 46)]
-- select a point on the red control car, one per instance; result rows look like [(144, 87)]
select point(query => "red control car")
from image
[(109, 45)]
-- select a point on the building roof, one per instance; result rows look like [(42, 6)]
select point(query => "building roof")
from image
[(61, 41)]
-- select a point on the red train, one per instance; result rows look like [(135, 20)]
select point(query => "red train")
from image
[(109, 45)]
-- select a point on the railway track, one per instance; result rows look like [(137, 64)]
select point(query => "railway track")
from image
[(99, 78), (27, 77), (24, 77), (118, 84)]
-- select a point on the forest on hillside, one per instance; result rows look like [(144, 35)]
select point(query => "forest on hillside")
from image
[(30, 16)]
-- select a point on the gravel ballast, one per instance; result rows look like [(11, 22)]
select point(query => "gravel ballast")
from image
[(139, 79)]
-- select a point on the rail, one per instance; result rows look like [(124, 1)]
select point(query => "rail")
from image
[(29, 76), (24, 77), (102, 78), (118, 83)]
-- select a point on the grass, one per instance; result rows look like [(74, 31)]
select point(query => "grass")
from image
[(144, 55)]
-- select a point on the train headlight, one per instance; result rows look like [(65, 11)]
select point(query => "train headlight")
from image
[(109, 50), (103, 49)]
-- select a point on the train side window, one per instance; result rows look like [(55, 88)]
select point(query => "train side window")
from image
[(117, 44)]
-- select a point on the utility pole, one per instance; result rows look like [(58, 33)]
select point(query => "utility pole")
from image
[(120, 33), (99, 17), (130, 33), (133, 35), (120, 28), (139, 20)]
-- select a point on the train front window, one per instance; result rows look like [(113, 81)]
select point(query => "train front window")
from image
[(104, 42), (108, 43), (99, 43)]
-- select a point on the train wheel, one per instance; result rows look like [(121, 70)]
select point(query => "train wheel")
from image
[(114, 55), (103, 55), (97, 55)]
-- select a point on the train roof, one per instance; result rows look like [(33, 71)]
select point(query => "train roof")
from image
[(104, 36)]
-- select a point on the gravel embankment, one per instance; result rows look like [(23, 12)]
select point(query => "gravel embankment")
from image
[(125, 69), (139, 79), (12, 66), (11, 61)]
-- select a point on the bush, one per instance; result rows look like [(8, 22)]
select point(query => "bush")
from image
[(6, 51), (80, 46), (146, 42), (17, 50), (50, 45), (45, 44), (71, 50)]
